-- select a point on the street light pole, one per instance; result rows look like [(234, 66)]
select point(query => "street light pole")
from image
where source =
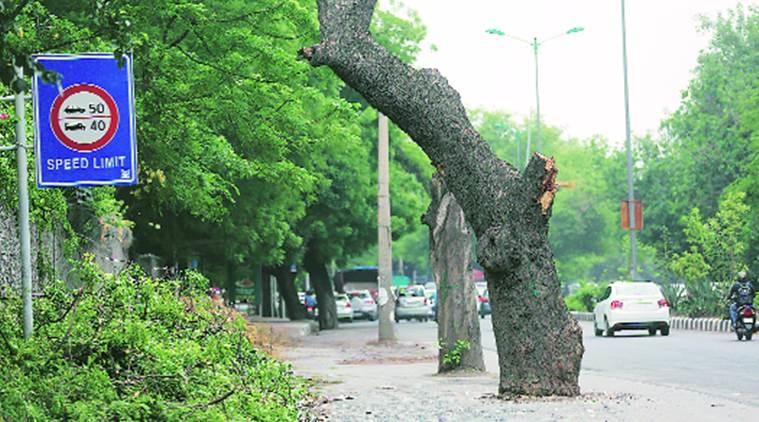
[(535, 44), (519, 149), (628, 143)]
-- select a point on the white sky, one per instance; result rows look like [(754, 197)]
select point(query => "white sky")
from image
[(581, 82)]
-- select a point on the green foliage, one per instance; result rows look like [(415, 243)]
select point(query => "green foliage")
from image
[(707, 144), (452, 356), (129, 347), (715, 254), (399, 29), (583, 299)]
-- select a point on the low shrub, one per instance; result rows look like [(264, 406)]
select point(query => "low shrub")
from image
[(583, 298), (129, 347)]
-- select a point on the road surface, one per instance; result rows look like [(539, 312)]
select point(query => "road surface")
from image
[(711, 363)]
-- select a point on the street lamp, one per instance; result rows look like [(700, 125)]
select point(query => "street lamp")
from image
[(535, 44)]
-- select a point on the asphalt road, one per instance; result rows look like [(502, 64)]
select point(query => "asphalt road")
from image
[(712, 363)]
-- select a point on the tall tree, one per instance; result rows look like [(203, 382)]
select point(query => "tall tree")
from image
[(539, 343), (707, 142)]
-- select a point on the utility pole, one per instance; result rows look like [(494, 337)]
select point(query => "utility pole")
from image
[(384, 247), (628, 143)]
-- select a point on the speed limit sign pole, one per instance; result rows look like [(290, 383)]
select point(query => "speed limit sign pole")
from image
[(23, 207), (22, 178)]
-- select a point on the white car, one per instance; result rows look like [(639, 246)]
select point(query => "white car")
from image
[(363, 304), (344, 307), (412, 303), (631, 306)]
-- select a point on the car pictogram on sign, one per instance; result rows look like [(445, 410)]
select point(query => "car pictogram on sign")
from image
[(74, 126), (74, 109)]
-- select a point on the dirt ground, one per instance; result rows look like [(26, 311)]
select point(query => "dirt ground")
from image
[(358, 380)]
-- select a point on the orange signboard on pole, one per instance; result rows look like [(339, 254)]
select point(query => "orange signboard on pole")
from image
[(638, 207)]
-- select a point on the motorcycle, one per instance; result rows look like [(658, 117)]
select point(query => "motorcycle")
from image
[(745, 324)]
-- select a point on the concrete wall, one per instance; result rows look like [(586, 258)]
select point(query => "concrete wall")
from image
[(10, 252), (109, 244)]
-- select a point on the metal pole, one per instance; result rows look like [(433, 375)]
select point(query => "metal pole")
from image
[(385, 273), (628, 142), (519, 150), (529, 141), (23, 208), (535, 46)]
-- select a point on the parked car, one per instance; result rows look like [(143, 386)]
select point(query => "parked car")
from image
[(631, 306), (363, 304), (412, 303), (430, 288), (344, 307), (483, 301)]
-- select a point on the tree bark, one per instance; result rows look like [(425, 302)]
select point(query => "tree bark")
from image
[(450, 255), (266, 293), (539, 343), (325, 296), (286, 286)]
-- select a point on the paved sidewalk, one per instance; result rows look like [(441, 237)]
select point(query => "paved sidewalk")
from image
[(362, 381)]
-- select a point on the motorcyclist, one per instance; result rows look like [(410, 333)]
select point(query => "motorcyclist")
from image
[(741, 293), (310, 299)]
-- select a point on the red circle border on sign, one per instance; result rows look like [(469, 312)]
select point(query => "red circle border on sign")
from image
[(70, 143)]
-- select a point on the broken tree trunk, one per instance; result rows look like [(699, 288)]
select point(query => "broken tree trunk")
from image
[(450, 255), (539, 344)]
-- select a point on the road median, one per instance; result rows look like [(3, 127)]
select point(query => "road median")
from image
[(716, 325)]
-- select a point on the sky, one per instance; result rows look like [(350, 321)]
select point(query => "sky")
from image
[(581, 75)]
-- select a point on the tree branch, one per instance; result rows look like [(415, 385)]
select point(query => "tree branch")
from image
[(220, 399), (421, 102), (71, 306), (179, 39)]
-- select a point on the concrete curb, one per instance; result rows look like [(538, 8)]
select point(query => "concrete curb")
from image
[(284, 328), (679, 323)]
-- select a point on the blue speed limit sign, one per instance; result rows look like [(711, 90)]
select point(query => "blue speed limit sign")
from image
[(85, 123)]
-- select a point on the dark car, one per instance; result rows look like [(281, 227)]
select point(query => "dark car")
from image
[(76, 126)]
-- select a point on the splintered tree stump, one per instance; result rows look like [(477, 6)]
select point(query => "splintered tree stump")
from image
[(539, 343)]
